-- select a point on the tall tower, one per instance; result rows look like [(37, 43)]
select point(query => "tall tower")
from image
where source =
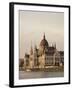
[(31, 50), (35, 56), (31, 60)]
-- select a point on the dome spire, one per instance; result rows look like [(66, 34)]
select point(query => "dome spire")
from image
[(44, 42), (44, 36)]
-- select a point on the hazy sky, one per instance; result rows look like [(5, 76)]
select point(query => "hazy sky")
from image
[(33, 24)]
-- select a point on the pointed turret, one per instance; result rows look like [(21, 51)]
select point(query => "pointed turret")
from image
[(31, 50), (35, 47), (55, 45), (35, 55)]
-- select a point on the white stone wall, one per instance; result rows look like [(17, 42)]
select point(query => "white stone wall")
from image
[(41, 61), (31, 62), (44, 60)]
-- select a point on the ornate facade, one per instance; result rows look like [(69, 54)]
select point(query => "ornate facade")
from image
[(44, 56)]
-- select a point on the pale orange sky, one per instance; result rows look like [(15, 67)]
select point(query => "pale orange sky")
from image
[(32, 26)]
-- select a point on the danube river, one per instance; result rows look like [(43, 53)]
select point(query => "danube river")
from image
[(39, 74)]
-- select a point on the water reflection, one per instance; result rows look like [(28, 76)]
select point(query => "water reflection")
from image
[(29, 75)]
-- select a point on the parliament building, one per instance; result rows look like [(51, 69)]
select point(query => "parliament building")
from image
[(44, 56)]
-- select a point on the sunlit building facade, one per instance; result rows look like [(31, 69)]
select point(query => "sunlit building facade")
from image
[(43, 57)]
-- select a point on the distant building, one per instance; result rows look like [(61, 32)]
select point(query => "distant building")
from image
[(44, 56)]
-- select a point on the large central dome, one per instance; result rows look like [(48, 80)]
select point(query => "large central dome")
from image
[(44, 42)]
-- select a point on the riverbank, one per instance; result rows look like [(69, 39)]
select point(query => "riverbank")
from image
[(48, 69)]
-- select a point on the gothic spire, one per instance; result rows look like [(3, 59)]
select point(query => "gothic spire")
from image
[(35, 47), (55, 45), (31, 50)]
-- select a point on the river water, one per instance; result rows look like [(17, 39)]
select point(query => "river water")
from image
[(30, 75)]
